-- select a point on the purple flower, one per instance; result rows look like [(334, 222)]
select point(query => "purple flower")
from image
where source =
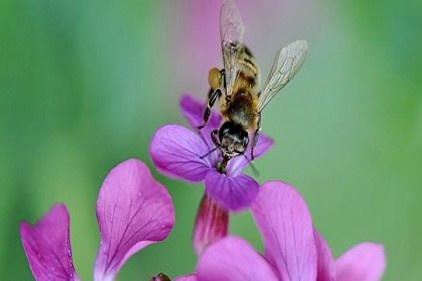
[(133, 211), (182, 154), (293, 248)]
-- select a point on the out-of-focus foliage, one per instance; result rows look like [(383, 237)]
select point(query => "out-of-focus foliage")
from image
[(84, 84)]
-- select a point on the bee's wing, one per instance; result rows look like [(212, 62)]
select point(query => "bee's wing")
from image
[(231, 33), (286, 64)]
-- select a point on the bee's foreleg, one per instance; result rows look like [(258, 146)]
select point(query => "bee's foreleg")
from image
[(214, 138), (211, 100), (256, 135)]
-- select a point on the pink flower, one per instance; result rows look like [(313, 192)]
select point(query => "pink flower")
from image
[(182, 154), (293, 248), (133, 211)]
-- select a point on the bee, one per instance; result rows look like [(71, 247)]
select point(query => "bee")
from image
[(235, 86)]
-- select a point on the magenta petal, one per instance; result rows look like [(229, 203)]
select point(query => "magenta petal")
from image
[(236, 165), (232, 259), (176, 152), (326, 270), (286, 228), (193, 110), (232, 193), (263, 144), (133, 211), (363, 262), (47, 246)]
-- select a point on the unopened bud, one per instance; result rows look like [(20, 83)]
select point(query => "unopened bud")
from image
[(211, 224)]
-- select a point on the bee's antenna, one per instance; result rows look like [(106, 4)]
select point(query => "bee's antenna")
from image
[(209, 152), (254, 170)]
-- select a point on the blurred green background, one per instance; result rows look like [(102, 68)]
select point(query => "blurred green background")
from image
[(84, 85)]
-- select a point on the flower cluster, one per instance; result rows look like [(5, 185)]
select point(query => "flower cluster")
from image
[(134, 211), (294, 250)]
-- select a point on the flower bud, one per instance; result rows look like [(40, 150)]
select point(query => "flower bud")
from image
[(211, 224)]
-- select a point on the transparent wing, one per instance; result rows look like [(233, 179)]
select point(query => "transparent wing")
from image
[(231, 33), (286, 64)]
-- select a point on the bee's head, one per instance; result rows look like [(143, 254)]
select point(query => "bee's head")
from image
[(233, 139)]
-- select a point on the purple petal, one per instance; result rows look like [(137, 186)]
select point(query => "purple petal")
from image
[(286, 228), (232, 258), (47, 246), (232, 193), (263, 144), (190, 277), (326, 270), (176, 152), (193, 110), (363, 262), (236, 165), (211, 224), (133, 211)]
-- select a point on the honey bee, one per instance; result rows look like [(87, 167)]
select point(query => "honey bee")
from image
[(236, 85)]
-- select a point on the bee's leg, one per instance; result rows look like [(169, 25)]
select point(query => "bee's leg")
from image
[(224, 82), (215, 141), (256, 135), (211, 100), (216, 78), (221, 167), (223, 76), (214, 138)]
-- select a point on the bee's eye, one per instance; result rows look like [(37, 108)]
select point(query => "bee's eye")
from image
[(240, 148), (242, 141), (244, 137), (224, 130), (245, 140)]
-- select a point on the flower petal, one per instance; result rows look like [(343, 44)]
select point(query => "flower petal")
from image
[(232, 193), (235, 165), (211, 224), (363, 262), (193, 110), (133, 211), (47, 246), (176, 152), (286, 228), (326, 270), (233, 259)]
